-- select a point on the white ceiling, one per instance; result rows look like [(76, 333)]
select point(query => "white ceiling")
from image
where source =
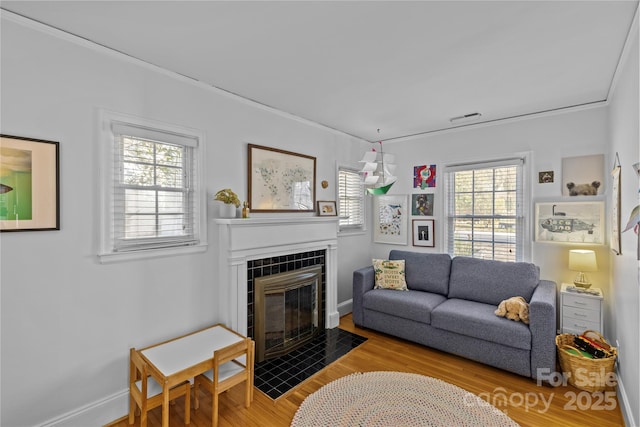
[(405, 68)]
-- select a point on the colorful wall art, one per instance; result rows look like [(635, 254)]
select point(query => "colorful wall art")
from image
[(29, 190), (390, 220), (422, 204), (424, 176)]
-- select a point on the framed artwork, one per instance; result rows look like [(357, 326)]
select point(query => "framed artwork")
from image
[(583, 176), (29, 184), (570, 222), (327, 208), (422, 204), (423, 233), (281, 181), (545, 177), (616, 243), (390, 220), (424, 176)]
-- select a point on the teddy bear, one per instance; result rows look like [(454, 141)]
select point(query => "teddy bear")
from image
[(583, 189), (514, 308)]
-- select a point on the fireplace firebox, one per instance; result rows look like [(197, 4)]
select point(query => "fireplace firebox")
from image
[(287, 310)]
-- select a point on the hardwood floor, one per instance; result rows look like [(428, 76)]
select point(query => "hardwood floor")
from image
[(521, 398)]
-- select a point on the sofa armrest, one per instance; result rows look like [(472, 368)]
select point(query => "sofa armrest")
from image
[(363, 281), (542, 324)]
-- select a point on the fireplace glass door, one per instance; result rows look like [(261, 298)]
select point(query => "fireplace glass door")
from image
[(287, 310)]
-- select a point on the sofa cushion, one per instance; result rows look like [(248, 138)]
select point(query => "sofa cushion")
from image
[(476, 319), (492, 281), (425, 272), (389, 274), (413, 305)]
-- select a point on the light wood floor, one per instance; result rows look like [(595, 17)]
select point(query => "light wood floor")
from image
[(519, 397)]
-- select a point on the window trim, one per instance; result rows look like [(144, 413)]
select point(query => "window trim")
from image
[(350, 229), (106, 121), (483, 163)]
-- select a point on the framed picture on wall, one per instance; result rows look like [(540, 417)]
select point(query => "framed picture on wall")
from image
[(615, 241), (29, 184), (423, 233), (424, 176), (583, 175), (422, 204), (569, 222), (327, 208), (390, 219), (281, 181)]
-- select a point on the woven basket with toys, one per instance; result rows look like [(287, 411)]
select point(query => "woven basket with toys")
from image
[(587, 360)]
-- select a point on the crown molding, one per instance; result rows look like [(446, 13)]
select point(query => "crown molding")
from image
[(118, 55)]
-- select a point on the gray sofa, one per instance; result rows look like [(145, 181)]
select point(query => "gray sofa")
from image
[(450, 306)]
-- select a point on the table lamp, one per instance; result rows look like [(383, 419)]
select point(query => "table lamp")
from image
[(582, 260)]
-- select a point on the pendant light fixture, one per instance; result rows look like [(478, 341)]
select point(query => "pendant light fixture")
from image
[(378, 171)]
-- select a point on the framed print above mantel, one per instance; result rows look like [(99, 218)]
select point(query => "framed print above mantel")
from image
[(29, 184), (281, 181)]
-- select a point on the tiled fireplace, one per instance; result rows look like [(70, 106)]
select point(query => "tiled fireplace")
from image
[(285, 308), (258, 247)]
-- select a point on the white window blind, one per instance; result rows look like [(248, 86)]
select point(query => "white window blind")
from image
[(154, 189), (350, 199), (485, 210)]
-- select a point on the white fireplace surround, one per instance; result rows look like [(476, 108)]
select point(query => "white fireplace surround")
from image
[(243, 240)]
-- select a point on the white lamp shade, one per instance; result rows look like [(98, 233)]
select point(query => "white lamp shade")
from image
[(582, 260)]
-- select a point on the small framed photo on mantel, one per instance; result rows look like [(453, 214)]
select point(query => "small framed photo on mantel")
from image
[(423, 233), (327, 208)]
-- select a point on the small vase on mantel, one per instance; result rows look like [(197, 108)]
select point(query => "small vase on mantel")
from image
[(227, 210)]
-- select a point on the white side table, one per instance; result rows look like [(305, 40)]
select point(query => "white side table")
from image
[(580, 310)]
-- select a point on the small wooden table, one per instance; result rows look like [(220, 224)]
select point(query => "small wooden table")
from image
[(174, 361)]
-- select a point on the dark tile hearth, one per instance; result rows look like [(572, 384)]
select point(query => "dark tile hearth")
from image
[(277, 376)]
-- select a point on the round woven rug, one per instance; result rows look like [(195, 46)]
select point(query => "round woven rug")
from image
[(396, 399)]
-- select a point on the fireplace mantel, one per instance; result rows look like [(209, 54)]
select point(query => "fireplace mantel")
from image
[(242, 240)]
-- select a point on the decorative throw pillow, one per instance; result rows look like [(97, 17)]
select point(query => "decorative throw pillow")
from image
[(389, 274)]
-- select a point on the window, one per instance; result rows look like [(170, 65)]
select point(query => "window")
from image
[(485, 210), (350, 199), (152, 202)]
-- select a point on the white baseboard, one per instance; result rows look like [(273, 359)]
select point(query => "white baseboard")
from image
[(625, 406), (116, 406), (345, 308), (96, 413)]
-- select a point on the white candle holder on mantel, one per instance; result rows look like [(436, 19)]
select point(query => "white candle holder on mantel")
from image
[(227, 210)]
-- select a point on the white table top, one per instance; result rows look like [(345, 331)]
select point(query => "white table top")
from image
[(592, 292), (182, 353)]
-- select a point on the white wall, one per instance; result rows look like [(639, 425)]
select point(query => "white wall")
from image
[(603, 130), (68, 321), (547, 139), (625, 282)]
